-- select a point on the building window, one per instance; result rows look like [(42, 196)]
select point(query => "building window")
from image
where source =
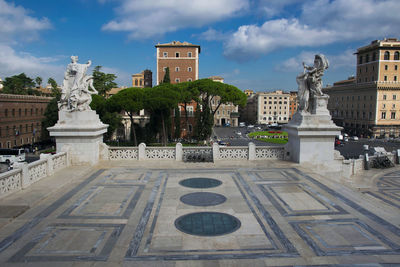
[(189, 54), (395, 78), (366, 58), (19, 112), (374, 56), (189, 80), (385, 78), (165, 54), (360, 60), (383, 116), (386, 56), (6, 112), (164, 69), (386, 67), (177, 54), (394, 97), (395, 67), (177, 80), (393, 115), (177, 69), (136, 82), (396, 55), (384, 97)]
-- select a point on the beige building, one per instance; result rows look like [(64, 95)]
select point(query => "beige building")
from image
[(182, 60), (249, 92), (293, 104), (267, 108), (143, 79), (368, 104), (226, 113)]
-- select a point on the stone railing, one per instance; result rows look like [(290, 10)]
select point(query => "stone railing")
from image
[(196, 154), (233, 152), (25, 174), (118, 153)]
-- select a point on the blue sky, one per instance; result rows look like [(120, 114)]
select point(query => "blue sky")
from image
[(253, 44)]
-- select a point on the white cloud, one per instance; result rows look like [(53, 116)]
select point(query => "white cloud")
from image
[(15, 22), (13, 63), (272, 8), (212, 35), (250, 41), (295, 64), (145, 19), (321, 22)]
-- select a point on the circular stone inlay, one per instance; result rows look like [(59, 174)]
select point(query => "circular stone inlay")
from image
[(203, 199), (200, 182), (207, 223)]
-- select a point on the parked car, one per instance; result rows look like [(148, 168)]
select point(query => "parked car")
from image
[(338, 143), (354, 138), (250, 126), (227, 125), (242, 124)]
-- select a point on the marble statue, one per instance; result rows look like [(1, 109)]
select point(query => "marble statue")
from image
[(310, 82), (77, 87)]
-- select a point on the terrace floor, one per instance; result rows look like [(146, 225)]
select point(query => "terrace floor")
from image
[(127, 214)]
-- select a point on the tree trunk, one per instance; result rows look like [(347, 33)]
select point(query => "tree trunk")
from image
[(164, 131), (133, 132), (187, 121)]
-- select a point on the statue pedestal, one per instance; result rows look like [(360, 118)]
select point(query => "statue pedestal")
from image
[(312, 136), (80, 133)]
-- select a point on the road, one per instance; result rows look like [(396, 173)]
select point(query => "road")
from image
[(231, 136), (30, 157), (350, 149)]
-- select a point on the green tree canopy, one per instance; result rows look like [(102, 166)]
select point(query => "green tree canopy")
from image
[(208, 91), (103, 82), (54, 88), (130, 100), (106, 114), (38, 81), (18, 84), (159, 100)]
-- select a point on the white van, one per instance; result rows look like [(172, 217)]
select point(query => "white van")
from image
[(12, 155)]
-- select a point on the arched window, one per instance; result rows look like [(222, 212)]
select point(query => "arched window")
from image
[(374, 56), (396, 55), (386, 56)]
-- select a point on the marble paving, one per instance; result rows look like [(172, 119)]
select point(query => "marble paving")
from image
[(126, 216)]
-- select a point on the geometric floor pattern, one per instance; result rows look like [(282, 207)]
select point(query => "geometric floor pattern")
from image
[(388, 189), (127, 215)]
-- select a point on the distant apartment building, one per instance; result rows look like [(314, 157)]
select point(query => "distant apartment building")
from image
[(369, 103), (143, 79), (226, 113), (182, 59), (21, 119), (268, 107), (293, 103)]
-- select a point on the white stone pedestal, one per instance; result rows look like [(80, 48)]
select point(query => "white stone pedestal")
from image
[(80, 133), (312, 135)]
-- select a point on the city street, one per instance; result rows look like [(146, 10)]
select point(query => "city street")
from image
[(231, 135), (349, 149)]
